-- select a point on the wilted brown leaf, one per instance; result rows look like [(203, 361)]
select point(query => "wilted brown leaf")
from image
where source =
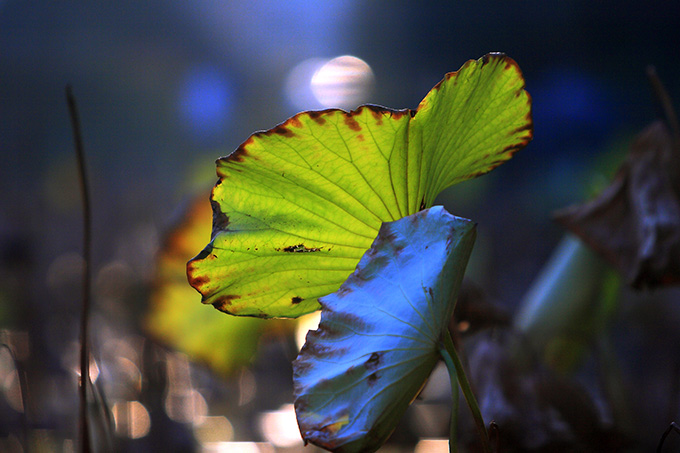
[(534, 409), (635, 222)]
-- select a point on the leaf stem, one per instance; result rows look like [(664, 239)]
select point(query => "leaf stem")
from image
[(665, 101), (85, 444), (455, 367)]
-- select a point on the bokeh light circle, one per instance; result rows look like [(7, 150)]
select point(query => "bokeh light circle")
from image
[(343, 82), (204, 102)]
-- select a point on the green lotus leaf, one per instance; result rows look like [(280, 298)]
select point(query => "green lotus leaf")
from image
[(295, 207), (174, 316), (380, 333)]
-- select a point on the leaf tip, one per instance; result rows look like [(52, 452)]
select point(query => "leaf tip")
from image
[(494, 56)]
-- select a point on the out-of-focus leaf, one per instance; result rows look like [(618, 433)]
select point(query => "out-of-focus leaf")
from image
[(297, 206), (175, 316), (474, 312), (568, 303), (380, 333), (635, 223), (535, 410)]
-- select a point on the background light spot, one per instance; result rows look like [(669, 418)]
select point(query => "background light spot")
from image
[(432, 446), (205, 100), (132, 419), (305, 324), (343, 82), (237, 447), (299, 84), (213, 430), (280, 427)]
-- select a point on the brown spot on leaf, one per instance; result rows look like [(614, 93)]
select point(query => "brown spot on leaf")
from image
[(509, 63), (296, 299), (527, 127), (372, 379), (352, 123), (223, 302), (366, 273), (422, 204), (299, 248), (281, 130), (316, 349), (377, 113), (360, 137), (343, 291), (397, 114), (240, 153), (373, 361), (317, 116), (380, 112), (295, 122), (479, 173), (198, 281), (350, 320), (325, 331), (300, 367)]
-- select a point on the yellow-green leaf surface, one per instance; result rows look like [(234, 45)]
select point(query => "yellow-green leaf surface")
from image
[(175, 317), (296, 206), (380, 333)]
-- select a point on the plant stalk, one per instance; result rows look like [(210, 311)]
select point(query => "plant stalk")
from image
[(665, 101), (84, 435), (455, 367)]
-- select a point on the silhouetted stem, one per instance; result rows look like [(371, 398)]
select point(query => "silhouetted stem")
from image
[(665, 101), (85, 312), (673, 427), (455, 367)]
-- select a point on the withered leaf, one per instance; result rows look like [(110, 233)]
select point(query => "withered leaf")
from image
[(635, 222), (534, 409)]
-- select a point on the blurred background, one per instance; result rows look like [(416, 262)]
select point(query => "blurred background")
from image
[(166, 87)]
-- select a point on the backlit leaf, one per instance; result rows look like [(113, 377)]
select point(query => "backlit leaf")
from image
[(175, 317), (297, 206), (379, 335)]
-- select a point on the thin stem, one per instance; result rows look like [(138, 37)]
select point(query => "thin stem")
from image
[(665, 101), (85, 446), (494, 433), (673, 427), (455, 399), (674, 394), (453, 363)]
